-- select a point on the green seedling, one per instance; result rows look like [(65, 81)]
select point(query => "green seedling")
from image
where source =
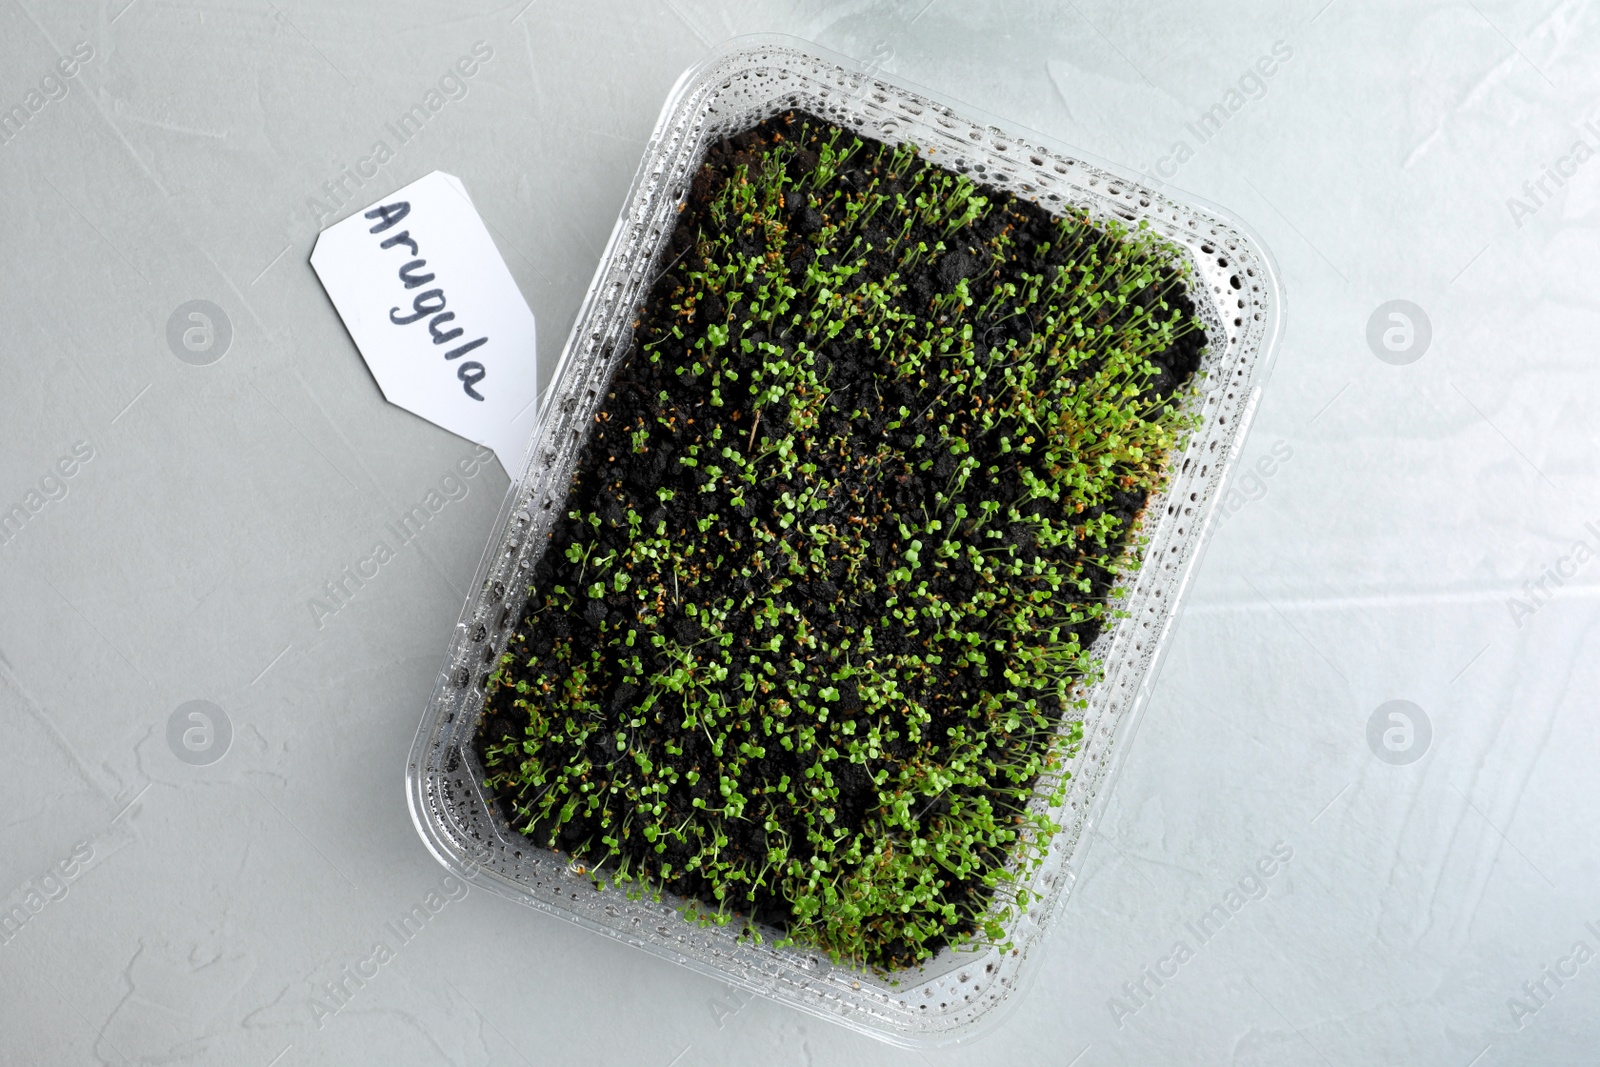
[(810, 648)]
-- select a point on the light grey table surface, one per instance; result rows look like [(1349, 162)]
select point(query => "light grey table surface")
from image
[(180, 913)]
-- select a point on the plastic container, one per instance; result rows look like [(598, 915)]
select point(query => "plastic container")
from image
[(1234, 286)]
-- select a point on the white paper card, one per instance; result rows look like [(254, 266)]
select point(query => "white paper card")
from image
[(435, 312)]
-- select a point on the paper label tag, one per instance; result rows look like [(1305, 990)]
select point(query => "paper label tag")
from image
[(435, 313)]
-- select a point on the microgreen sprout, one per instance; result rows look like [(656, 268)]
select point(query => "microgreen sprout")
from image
[(811, 645)]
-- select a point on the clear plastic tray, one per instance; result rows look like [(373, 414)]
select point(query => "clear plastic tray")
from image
[(1235, 288)]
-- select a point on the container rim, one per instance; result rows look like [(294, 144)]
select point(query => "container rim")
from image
[(453, 701)]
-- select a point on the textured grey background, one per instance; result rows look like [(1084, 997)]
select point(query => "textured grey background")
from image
[(179, 912)]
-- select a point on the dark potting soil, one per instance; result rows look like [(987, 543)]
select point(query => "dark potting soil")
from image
[(566, 692)]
